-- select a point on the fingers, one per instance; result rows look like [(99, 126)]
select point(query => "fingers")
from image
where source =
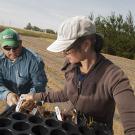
[(27, 105), (12, 99), (10, 103)]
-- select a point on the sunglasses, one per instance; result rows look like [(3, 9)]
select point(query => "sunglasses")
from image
[(8, 48)]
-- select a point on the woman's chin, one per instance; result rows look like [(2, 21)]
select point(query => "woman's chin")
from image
[(73, 62)]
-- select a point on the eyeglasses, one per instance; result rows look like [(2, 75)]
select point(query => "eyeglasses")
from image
[(8, 48)]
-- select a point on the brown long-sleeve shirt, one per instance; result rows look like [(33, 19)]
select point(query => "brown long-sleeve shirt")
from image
[(104, 86)]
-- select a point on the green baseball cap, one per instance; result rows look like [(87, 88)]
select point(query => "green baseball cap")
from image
[(9, 37)]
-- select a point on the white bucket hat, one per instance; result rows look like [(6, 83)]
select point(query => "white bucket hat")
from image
[(70, 31)]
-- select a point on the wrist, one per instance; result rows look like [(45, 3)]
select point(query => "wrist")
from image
[(8, 94)]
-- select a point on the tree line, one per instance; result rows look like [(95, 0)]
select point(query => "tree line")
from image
[(35, 28), (119, 34)]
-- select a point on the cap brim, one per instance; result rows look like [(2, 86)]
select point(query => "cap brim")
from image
[(11, 43), (59, 46)]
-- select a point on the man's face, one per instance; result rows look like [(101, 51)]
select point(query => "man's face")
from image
[(12, 52)]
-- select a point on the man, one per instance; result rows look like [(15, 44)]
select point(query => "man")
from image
[(21, 70)]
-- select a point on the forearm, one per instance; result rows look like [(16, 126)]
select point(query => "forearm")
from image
[(51, 96), (120, 89), (58, 96), (4, 92), (126, 105)]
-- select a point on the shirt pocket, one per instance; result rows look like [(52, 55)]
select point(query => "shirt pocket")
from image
[(22, 78)]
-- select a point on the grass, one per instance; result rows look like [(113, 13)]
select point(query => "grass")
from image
[(31, 33)]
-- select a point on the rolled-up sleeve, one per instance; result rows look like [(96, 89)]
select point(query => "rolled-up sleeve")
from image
[(3, 90)]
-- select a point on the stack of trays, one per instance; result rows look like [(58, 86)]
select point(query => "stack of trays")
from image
[(23, 124)]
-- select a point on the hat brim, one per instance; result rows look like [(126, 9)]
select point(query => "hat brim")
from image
[(59, 46), (11, 43)]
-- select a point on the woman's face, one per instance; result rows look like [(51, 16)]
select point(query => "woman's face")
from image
[(73, 56), (76, 55)]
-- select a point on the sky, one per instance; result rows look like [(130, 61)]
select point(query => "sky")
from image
[(49, 14)]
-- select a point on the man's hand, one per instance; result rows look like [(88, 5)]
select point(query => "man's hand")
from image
[(12, 98)]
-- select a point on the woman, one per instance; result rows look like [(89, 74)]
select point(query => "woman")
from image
[(93, 84)]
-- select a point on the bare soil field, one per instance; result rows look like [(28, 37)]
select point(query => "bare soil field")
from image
[(54, 62)]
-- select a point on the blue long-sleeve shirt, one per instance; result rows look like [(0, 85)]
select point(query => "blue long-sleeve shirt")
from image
[(24, 75)]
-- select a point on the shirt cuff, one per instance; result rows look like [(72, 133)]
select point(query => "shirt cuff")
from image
[(5, 94)]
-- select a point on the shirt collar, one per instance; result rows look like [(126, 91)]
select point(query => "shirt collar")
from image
[(68, 66)]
